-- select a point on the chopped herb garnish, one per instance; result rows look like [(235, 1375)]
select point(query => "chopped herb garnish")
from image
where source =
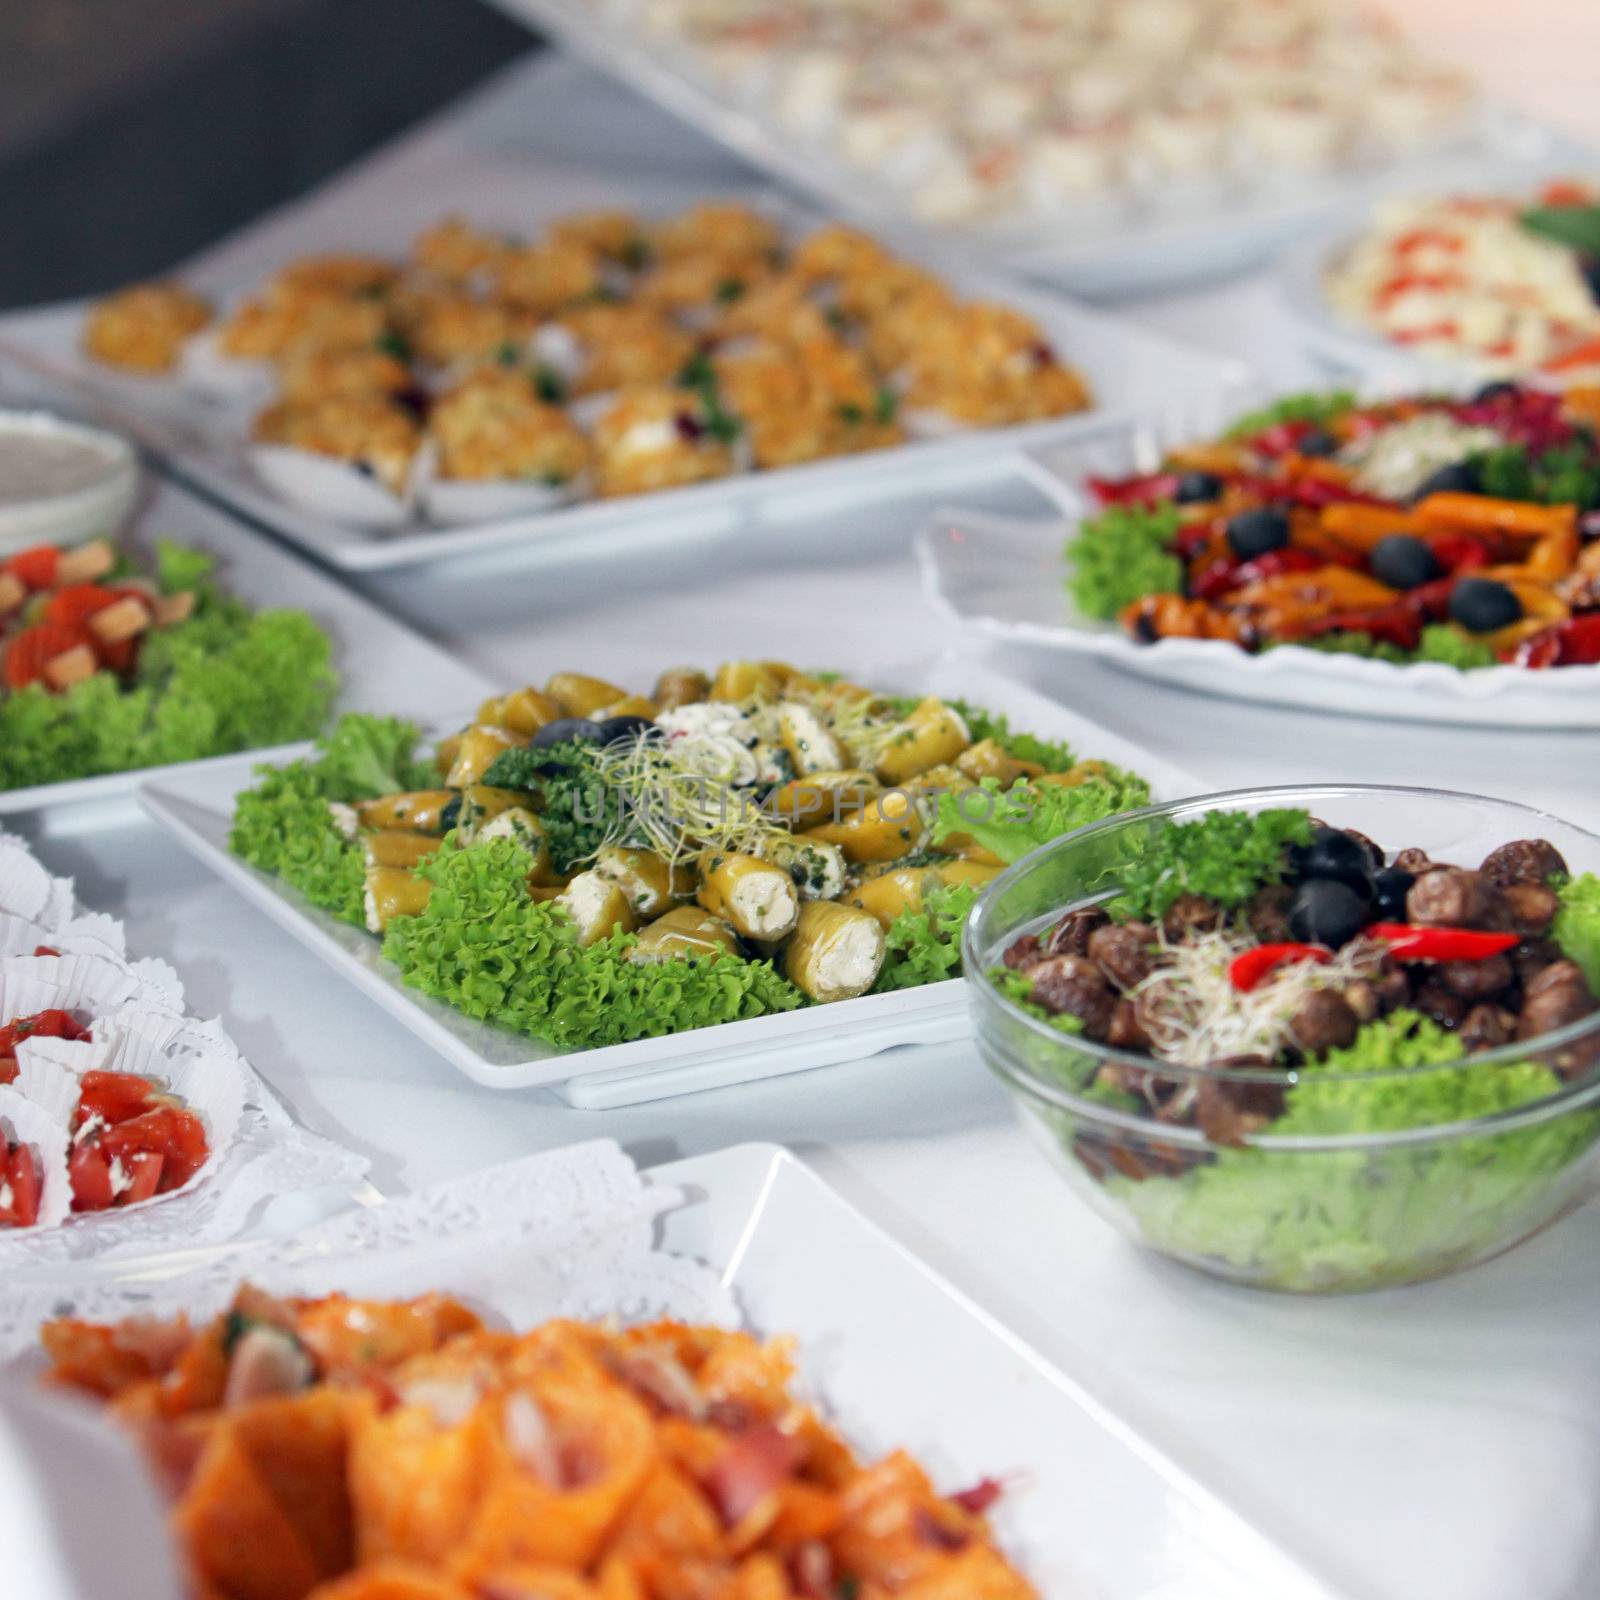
[(888, 403), (508, 354), (636, 254), (852, 413), (729, 290), (393, 344), (549, 385)]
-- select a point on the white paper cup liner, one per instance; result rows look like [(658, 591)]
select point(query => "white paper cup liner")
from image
[(24, 993), (27, 890), (74, 1056), (93, 983), (158, 981), (50, 1083), (27, 1123), (328, 487), (19, 936), (94, 933), (458, 500), (140, 1041)]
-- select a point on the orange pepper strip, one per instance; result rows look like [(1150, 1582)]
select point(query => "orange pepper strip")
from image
[(1478, 513), (1327, 588), (1359, 526)]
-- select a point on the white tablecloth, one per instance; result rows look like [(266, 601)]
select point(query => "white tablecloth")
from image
[(1435, 1443)]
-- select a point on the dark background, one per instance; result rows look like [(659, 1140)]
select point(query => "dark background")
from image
[(132, 132)]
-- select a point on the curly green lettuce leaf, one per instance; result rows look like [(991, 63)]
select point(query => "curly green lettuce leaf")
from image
[(220, 681), (1441, 642), (484, 946), (1350, 1218), (1120, 555), (1317, 407), (1224, 855), (1017, 820), (364, 756), (283, 826), (179, 568), (1577, 925), (924, 946)]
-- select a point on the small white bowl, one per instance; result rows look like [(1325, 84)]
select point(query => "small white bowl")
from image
[(60, 481)]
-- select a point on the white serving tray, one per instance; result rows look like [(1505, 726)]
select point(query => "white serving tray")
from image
[(1127, 368), (1130, 245), (197, 807), (382, 665), (894, 1355), (1005, 578)]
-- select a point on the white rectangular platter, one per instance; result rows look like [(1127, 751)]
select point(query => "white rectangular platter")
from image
[(893, 1354), (204, 440), (1140, 240), (197, 807), (382, 664)]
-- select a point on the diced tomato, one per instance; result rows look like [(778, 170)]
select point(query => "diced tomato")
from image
[(36, 567), (145, 1170), (53, 1024), (9, 1069), (72, 607), (45, 950), (112, 1096), (177, 1135), (33, 648), (1406, 282), (1586, 354), (19, 1192), (89, 1169)]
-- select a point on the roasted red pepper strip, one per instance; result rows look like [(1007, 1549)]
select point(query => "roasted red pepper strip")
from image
[(1147, 489), (1579, 641), (1246, 970), (1412, 943)]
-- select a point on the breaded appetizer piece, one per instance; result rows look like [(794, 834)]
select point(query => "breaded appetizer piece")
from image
[(686, 283), (622, 346), (145, 326), (657, 439), (989, 365), (337, 276), (309, 373), (546, 278), (778, 308), (265, 329), (450, 327), (728, 231), (455, 252), (838, 252), (368, 431), (493, 425), (618, 236)]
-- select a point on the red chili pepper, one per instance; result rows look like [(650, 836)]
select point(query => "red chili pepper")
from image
[(1431, 600), (1215, 579), (1226, 573), (1245, 971), (1280, 438), (1411, 943), (1316, 493), (1145, 489), (1191, 539)]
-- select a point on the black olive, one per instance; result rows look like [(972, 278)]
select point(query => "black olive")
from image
[(1258, 532), (1500, 389), (1389, 890), (564, 729), (1317, 443), (1591, 276), (1325, 912), (1460, 477), (615, 729), (1334, 855), (1402, 561), (1197, 486), (1481, 605)]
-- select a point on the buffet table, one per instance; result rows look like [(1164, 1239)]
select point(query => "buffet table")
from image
[(1441, 1440)]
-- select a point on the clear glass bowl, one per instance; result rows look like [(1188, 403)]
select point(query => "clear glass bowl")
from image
[(1410, 1172)]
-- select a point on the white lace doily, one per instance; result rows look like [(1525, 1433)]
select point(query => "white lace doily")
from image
[(569, 1232), (135, 1012)]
